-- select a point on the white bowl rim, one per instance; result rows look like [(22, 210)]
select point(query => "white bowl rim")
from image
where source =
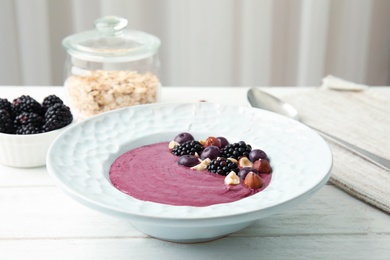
[(30, 136), (133, 208)]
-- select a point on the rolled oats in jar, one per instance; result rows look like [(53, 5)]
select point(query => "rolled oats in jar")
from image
[(111, 67)]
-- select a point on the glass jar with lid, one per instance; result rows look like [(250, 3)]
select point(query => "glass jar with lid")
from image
[(111, 67)]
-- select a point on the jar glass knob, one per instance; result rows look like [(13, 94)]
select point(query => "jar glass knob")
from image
[(111, 25)]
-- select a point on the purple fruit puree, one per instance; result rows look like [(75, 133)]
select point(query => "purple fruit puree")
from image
[(151, 173)]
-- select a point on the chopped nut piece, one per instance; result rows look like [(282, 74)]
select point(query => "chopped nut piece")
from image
[(232, 160), (232, 178), (172, 144), (202, 165), (244, 162)]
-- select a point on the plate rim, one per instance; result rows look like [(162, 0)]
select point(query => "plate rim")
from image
[(141, 215)]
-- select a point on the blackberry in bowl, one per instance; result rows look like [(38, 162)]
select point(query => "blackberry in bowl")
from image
[(236, 150), (222, 166), (27, 129)]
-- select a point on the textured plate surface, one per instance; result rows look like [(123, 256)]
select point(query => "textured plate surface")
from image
[(81, 157)]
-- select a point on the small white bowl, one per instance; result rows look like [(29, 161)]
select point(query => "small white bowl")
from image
[(26, 151)]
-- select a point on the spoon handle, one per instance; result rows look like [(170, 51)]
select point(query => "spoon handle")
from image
[(373, 158)]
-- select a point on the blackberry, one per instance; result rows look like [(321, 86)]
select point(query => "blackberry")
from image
[(56, 117), (236, 150), (222, 166), (6, 122), (28, 130), (6, 105), (29, 118), (50, 101), (188, 148), (26, 104)]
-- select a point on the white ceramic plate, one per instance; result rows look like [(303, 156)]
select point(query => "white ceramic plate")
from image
[(81, 157)]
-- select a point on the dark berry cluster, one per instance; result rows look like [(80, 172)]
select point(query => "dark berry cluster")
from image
[(236, 150), (26, 104), (188, 148), (28, 130), (5, 105), (222, 166), (218, 156), (50, 101), (25, 115), (6, 122), (29, 118), (57, 116)]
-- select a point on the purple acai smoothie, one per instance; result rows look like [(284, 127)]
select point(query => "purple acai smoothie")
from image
[(151, 173)]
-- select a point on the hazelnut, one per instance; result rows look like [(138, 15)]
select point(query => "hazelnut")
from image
[(232, 160), (232, 178), (244, 162), (212, 141), (253, 181), (172, 144), (202, 165), (262, 166)]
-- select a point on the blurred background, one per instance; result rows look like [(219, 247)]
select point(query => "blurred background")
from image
[(211, 42)]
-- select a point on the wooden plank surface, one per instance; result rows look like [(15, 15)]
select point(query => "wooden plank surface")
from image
[(40, 221), (44, 212)]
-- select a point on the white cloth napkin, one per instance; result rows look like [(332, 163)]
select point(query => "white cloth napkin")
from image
[(332, 82), (361, 118)]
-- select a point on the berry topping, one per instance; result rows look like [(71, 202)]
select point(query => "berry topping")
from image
[(28, 130), (257, 154), (26, 104), (6, 105), (50, 101), (236, 150), (188, 160), (223, 141), (212, 152), (236, 161), (57, 117), (222, 166), (183, 137), (29, 118), (6, 122), (189, 147)]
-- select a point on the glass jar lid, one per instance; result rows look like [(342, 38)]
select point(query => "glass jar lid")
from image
[(111, 42)]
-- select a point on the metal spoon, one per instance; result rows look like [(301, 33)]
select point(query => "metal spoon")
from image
[(263, 100)]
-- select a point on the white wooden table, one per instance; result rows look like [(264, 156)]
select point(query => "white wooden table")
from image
[(38, 221)]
